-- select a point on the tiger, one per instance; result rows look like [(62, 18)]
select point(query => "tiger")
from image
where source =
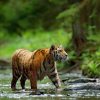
[(36, 65)]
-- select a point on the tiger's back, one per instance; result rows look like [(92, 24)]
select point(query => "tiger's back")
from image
[(24, 60), (20, 57)]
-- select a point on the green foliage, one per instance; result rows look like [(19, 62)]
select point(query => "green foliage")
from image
[(69, 13), (58, 2), (32, 40), (92, 68), (14, 13), (91, 57), (22, 15)]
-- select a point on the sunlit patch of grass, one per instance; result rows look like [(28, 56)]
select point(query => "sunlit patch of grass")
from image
[(32, 40)]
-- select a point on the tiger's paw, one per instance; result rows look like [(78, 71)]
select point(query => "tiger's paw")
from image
[(14, 89), (59, 90)]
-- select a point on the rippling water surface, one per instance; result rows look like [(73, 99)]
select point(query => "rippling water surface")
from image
[(48, 89)]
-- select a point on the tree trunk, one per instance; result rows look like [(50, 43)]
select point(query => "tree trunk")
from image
[(78, 36), (78, 42)]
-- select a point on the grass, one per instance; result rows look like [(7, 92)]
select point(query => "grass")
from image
[(31, 40)]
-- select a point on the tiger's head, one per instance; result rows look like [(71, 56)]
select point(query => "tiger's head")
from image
[(58, 53)]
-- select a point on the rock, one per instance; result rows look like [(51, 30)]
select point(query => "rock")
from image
[(86, 86), (4, 64)]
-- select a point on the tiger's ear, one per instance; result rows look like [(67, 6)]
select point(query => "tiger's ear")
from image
[(60, 46), (52, 47)]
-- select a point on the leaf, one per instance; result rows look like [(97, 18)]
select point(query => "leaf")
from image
[(69, 12)]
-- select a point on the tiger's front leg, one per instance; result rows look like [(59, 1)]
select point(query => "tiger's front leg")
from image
[(56, 81), (54, 77), (33, 80)]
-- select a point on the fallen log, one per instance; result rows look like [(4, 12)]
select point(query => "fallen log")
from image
[(86, 86), (4, 64)]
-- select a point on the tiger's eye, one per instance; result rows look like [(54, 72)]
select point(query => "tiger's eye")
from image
[(60, 50)]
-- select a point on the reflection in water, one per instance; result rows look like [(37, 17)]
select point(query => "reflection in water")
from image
[(48, 89)]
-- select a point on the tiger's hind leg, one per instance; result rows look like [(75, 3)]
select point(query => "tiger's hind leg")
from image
[(14, 80), (22, 81)]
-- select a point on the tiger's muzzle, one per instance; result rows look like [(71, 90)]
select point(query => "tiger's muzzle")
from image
[(64, 58)]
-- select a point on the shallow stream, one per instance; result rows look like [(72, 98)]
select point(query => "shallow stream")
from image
[(71, 89)]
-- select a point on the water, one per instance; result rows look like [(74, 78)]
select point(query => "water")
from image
[(46, 86)]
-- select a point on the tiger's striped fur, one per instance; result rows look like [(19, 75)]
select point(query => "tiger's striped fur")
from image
[(36, 65)]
